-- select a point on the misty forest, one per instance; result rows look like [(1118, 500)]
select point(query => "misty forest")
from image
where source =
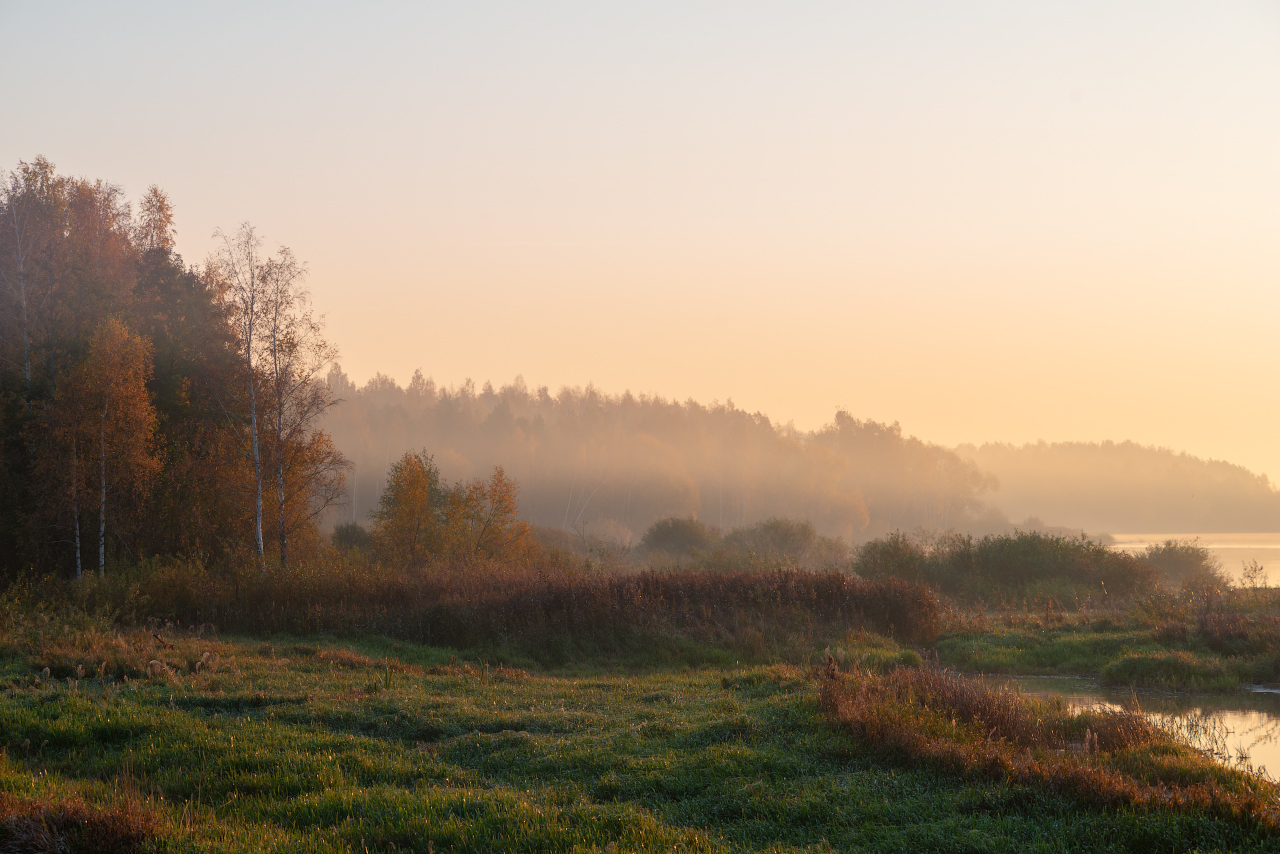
[(251, 604)]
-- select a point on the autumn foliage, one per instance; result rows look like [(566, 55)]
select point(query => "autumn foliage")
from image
[(129, 394)]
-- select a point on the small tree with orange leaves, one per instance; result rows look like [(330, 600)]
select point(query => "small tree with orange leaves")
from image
[(119, 367), (103, 425), (408, 522), (483, 520)]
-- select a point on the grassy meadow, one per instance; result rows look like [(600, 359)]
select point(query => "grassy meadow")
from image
[(317, 745), (346, 706)]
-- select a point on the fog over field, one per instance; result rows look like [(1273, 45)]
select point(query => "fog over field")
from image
[(608, 465)]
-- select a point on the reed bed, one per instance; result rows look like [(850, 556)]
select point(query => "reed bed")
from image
[(545, 612)]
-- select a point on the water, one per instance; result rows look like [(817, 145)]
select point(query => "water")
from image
[(1231, 725), (1231, 549)]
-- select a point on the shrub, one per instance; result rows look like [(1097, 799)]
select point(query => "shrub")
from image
[(541, 608), (419, 519), (1014, 565), (786, 539), (678, 537), (1237, 634), (352, 535), (1182, 559)]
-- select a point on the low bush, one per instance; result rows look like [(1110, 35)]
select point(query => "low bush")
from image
[(1232, 633), (1017, 565), (1184, 560)]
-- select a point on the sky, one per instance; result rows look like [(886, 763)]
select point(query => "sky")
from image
[(988, 221)]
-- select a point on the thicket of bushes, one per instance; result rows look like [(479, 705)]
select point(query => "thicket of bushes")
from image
[(1007, 566), (787, 541)]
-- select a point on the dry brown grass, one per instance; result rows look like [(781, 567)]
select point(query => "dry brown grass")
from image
[(56, 826), (486, 604), (355, 661), (1103, 758), (102, 652)]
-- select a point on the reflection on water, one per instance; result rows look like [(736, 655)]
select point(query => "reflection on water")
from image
[(1229, 725), (1232, 549)]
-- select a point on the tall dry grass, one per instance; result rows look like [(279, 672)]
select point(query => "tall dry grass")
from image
[(1097, 757), (534, 608), (48, 825)]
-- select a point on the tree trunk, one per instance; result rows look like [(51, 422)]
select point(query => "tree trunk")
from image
[(75, 502), (284, 534), (280, 441), (257, 472), (102, 501)]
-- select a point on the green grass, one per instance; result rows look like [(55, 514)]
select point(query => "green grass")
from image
[(1170, 671), (288, 746), (1119, 655), (1067, 649)]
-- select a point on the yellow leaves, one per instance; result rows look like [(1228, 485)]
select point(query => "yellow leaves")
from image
[(418, 518)]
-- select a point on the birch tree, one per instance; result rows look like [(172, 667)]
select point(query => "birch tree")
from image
[(31, 199), (103, 425), (119, 367), (239, 263), (283, 352), (307, 471)]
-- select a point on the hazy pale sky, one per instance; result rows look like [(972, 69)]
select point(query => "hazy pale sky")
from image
[(987, 220)]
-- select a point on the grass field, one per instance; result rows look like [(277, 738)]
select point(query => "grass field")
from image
[(317, 745)]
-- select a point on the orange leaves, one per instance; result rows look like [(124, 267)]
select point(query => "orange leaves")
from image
[(418, 518), (408, 521), (482, 520), (117, 372), (103, 425)]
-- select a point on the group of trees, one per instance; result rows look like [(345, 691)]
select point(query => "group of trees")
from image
[(146, 406), (787, 540), (419, 517)]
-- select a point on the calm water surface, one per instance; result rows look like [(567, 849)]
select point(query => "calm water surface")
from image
[(1248, 721), (1232, 549)]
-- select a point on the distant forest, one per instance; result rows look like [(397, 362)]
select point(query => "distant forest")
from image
[(1126, 487), (607, 466)]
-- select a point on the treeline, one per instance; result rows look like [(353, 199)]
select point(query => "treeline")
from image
[(1126, 487), (603, 466), (148, 407)]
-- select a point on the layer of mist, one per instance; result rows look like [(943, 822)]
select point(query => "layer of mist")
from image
[(607, 466), (1123, 486)]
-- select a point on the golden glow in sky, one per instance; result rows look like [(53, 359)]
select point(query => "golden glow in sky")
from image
[(988, 221)]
